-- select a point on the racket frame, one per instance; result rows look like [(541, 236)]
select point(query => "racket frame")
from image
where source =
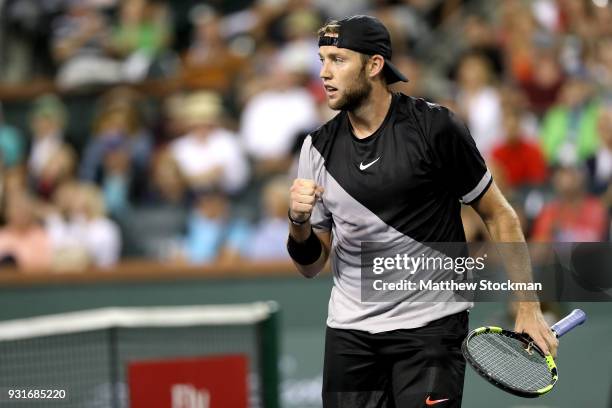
[(550, 362)]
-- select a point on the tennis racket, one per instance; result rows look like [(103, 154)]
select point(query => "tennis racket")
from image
[(512, 361)]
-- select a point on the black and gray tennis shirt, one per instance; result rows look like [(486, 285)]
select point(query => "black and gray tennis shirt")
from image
[(403, 185)]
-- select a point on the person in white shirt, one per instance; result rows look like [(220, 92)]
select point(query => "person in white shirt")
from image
[(273, 118), (81, 230), (480, 103), (208, 155)]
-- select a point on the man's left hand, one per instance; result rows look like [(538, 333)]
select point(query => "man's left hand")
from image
[(529, 319)]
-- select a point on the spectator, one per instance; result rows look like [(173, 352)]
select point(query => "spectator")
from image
[(23, 241), (51, 161), (169, 124), (272, 119), (601, 67), (11, 144), (521, 159), (578, 18), (168, 185), (481, 39), (79, 227), (117, 157), (212, 235), (518, 30), (69, 251), (570, 128), (209, 156), (575, 215), (209, 62), (118, 179), (542, 87), (13, 180), (602, 16), (299, 28), (599, 165), (141, 37), (268, 240), (80, 47), (100, 235), (479, 102)]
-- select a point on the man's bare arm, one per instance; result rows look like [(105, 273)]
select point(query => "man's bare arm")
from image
[(308, 255), (504, 226)]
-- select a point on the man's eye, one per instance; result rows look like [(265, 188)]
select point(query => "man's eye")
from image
[(338, 59)]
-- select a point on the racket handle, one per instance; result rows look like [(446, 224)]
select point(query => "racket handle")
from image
[(576, 318)]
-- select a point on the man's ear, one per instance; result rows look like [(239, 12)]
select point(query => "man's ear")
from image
[(376, 64)]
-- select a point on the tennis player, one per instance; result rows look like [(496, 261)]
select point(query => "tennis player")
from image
[(389, 168)]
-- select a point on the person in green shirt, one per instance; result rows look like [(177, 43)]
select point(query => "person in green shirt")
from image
[(569, 129), (143, 26)]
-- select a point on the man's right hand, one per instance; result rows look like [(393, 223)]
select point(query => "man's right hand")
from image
[(304, 193)]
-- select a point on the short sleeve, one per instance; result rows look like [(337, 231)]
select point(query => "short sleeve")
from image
[(462, 167), (235, 165), (310, 167), (238, 236)]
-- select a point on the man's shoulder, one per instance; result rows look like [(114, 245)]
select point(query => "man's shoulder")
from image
[(420, 108), (429, 118)]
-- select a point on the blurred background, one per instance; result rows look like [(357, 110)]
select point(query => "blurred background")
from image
[(147, 146)]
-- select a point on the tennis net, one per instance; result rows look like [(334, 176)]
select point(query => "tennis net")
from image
[(86, 353)]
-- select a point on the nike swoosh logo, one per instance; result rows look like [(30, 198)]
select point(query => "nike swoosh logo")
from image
[(434, 402), (362, 166)]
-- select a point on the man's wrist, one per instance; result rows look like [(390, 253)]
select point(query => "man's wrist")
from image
[(296, 220), (302, 232), (528, 306)]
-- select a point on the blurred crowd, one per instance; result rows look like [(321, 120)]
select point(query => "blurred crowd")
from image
[(200, 172)]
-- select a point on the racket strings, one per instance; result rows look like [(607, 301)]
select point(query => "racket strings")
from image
[(506, 359)]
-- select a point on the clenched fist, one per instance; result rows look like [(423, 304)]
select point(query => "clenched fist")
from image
[(304, 193)]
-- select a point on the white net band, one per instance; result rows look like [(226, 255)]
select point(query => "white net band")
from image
[(168, 316)]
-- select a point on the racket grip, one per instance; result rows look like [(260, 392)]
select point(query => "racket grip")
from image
[(576, 318)]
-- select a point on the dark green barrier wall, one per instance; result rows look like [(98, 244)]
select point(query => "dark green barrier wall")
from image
[(585, 375)]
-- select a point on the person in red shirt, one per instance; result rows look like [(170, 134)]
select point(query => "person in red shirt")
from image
[(521, 160), (575, 215)]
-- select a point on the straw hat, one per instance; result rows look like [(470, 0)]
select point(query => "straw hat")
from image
[(201, 108)]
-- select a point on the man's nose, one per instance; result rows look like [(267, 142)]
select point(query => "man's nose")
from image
[(324, 73)]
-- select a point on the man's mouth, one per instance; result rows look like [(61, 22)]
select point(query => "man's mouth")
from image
[(330, 90)]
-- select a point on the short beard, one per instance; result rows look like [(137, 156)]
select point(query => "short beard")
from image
[(354, 96)]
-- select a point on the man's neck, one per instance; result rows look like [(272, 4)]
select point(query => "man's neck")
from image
[(368, 117)]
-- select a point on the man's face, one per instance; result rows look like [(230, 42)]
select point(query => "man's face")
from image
[(569, 182), (604, 127), (344, 77)]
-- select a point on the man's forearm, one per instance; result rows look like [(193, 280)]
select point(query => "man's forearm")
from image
[(505, 230), (301, 233)]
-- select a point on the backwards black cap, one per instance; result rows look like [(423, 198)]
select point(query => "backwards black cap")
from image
[(367, 35)]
